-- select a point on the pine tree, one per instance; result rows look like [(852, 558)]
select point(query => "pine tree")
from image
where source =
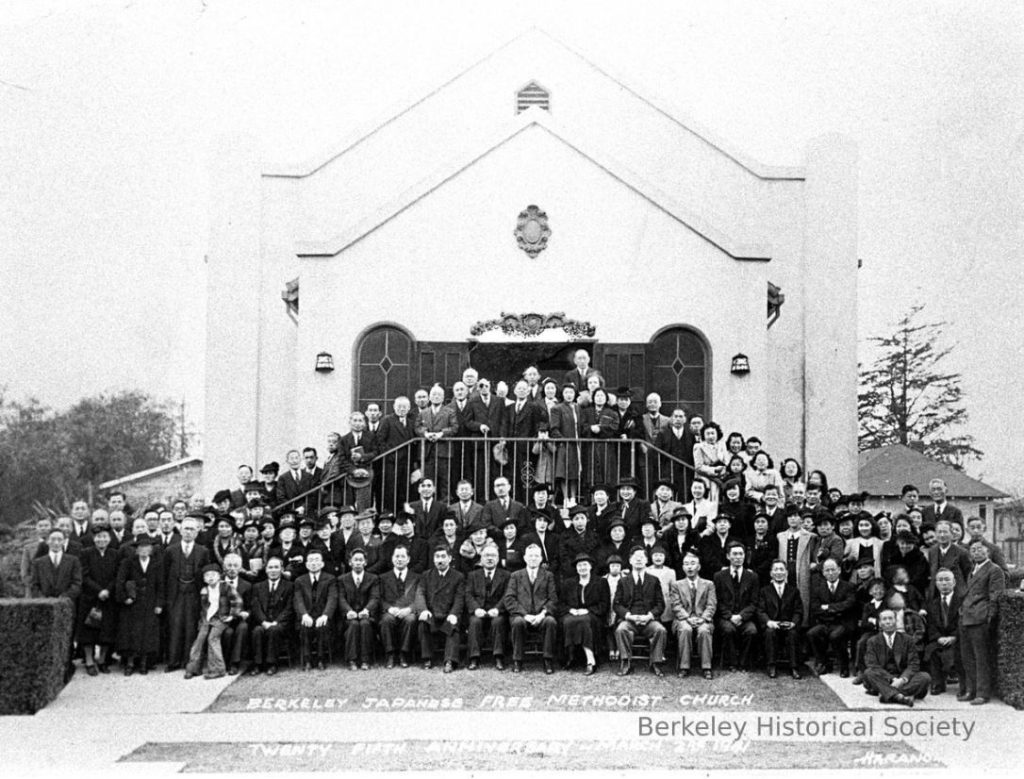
[(907, 396)]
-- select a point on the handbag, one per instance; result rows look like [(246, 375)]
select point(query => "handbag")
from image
[(94, 618)]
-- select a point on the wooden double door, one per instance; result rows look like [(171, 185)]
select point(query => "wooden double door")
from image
[(676, 364)]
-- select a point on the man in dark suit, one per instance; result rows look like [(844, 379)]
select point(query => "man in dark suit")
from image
[(428, 510), (396, 430), (946, 554), (442, 592), (654, 420), (315, 601), (182, 567), (524, 418), (272, 611), (578, 376), (941, 508), (833, 615), (942, 646), (678, 441), (465, 510), (57, 574), (638, 604), (356, 450), (359, 607), (398, 589), (780, 613), (978, 613), (239, 495), (736, 588), (485, 603), (294, 481), (484, 420), (496, 511), (435, 423), (531, 602), (81, 527), (315, 474), (892, 665), (976, 529)]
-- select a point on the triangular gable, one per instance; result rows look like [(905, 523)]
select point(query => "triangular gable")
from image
[(315, 164), (574, 140), (885, 470)]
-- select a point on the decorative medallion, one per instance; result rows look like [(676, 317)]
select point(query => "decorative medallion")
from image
[(532, 231), (532, 325)]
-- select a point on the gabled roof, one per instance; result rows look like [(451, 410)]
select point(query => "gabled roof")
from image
[(884, 471), (311, 166), (139, 475), (571, 138)]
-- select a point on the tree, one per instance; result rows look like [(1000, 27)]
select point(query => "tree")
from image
[(53, 458), (907, 396)]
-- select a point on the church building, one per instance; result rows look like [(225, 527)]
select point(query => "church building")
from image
[(532, 205)]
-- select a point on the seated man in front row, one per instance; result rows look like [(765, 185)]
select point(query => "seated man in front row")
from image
[(531, 601), (442, 596), (639, 603), (358, 607), (892, 665), (694, 603), (780, 612), (485, 594), (398, 588)]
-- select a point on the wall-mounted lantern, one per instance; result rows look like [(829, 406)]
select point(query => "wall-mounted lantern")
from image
[(324, 362), (740, 364)]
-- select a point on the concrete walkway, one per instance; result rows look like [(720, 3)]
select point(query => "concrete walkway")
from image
[(98, 721)]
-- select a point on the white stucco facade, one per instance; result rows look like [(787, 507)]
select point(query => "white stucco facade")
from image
[(653, 224)]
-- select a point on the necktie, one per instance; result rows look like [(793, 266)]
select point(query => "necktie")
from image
[(832, 588), (945, 609), (296, 476), (504, 503), (402, 420), (736, 576), (533, 578), (637, 580), (519, 406), (273, 587)]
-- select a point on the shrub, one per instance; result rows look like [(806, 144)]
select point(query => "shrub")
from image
[(1010, 661), (34, 652)]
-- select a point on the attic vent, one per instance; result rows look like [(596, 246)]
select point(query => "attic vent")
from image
[(533, 94)]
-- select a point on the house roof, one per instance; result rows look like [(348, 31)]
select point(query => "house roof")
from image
[(883, 472), (138, 475)]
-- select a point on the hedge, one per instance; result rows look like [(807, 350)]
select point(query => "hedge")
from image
[(1010, 661), (34, 651)]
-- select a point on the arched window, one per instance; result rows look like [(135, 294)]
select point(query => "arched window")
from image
[(679, 369), (383, 366)]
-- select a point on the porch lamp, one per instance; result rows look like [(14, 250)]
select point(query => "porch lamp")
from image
[(324, 362), (740, 364)]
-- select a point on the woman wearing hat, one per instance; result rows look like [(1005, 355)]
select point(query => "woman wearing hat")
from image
[(565, 424), (99, 582), (140, 592), (579, 539), (584, 599)]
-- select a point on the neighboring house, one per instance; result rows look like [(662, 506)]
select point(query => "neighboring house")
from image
[(164, 483), (885, 470)]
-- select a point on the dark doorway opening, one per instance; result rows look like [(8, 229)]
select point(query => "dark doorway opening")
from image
[(507, 361)]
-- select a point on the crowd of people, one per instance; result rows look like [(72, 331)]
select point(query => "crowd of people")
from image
[(753, 565)]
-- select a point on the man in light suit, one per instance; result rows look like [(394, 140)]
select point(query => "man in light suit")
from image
[(978, 613), (795, 551), (437, 422), (780, 613), (639, 603), (531, 602), (694, 603), (892, 665)]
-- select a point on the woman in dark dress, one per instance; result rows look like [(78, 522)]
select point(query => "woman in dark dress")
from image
[(99, 579), (764, 549), (600, 423), (565, 423), (584, 599), (140, 591)]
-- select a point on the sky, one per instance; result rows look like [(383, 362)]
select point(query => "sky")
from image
[(109, 112)]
